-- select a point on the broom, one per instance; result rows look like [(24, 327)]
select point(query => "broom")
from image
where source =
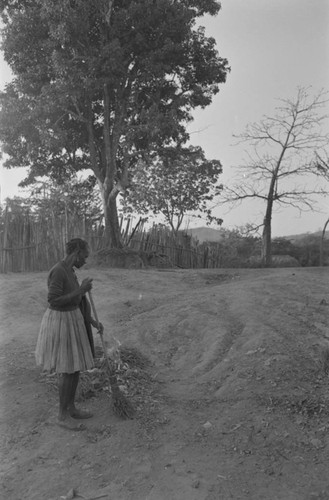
[(121, 406)]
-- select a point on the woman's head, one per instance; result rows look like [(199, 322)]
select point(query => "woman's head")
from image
[(80, 249)]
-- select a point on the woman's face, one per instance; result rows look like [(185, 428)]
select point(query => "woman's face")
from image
[(81, 258)]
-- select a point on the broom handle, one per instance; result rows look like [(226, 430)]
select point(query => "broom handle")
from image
[(93, 305), (99, 331)]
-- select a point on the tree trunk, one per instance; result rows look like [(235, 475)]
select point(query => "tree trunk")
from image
[(267, 230), (267, 243), (105, 175), (112, 227), (111, 189), (112, 224), (322, 243)]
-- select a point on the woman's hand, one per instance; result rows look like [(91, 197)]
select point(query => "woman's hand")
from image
[(97, 325), (100, 328), (86, 285)]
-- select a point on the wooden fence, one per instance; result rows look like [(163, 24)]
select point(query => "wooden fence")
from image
[(180, 250), (30, 244)]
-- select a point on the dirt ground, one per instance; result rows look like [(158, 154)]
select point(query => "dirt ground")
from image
[(237, 403)]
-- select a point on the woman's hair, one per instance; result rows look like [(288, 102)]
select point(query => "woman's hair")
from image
[(76, 244)]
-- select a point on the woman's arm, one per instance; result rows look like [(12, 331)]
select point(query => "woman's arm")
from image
[(88, 316), (58, 296)]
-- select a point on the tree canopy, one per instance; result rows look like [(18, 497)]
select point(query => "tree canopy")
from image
[(102, 84), (71, 197), (176, 182)]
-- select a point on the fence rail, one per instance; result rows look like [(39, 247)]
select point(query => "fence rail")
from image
[(27, 244)]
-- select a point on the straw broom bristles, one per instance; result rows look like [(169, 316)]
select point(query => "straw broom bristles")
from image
[(121, 406)]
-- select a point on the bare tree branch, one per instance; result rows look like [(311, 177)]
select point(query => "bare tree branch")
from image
[(290, 145)]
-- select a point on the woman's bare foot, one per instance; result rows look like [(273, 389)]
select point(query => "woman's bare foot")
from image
[(70, 424), (80, 414), (75, 412)]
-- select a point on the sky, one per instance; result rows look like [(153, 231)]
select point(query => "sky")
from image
[(273, 46)]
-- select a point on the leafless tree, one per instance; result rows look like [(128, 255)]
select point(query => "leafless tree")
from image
[(287, 150)]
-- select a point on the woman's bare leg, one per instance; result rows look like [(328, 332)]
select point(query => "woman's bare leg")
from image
[(73, 411), (65, 384)]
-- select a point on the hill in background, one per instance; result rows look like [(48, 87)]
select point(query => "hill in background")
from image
[(297, 237), (208, 234)]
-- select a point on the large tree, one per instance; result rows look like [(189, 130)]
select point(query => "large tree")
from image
[(284, 156), (101, 84), (177, 181)]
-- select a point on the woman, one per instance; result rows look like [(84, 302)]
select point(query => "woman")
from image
[(64, 345)]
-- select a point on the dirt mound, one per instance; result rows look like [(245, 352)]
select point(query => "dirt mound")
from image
[(232, 401), (116, 258), (277, 261)]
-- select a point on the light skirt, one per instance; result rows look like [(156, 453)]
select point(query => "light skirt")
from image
[(63, 344)]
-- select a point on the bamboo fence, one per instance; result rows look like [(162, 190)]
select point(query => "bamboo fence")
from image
[(30, 244)]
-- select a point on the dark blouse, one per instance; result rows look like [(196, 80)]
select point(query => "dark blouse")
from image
[(62, 281)]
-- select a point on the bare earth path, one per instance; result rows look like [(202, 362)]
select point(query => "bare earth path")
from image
[(239, 403)]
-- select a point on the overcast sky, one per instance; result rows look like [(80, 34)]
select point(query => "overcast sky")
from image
[(273, 46)]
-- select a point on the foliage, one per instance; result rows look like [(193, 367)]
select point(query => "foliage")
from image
[(239, 248), (286, 151), (102, 84), (308, 250), (283, 246), (73, 197), (17, 204), (178, 181), (236, 247)]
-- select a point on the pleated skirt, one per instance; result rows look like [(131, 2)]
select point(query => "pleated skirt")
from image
[(63, 344)]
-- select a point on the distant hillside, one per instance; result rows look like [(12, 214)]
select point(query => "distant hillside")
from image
[(206, 234), (298, 237)]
